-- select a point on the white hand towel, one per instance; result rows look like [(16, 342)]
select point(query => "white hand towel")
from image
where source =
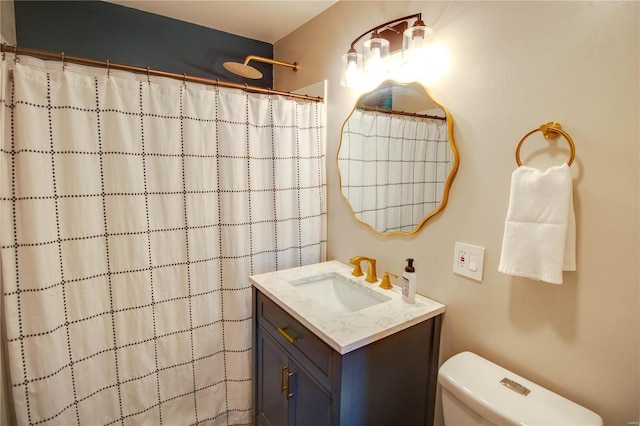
[(539, 239)]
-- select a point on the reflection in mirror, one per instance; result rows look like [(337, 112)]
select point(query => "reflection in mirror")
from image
[(397, 158)]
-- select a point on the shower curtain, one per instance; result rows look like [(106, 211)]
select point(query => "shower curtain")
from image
[(132, 214), (397, 168)]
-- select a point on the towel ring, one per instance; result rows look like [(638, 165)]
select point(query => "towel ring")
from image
[(551, 130)]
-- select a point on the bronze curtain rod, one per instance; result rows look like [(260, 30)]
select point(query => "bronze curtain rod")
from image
[(391, 111), (42, 54)]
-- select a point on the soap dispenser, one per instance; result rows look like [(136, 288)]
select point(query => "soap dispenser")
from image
[(409, 283)]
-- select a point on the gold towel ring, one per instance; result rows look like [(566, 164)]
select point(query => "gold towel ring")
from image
[(551, 130)]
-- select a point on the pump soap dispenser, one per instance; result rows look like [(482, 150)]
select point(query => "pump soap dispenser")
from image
[(409, 283)]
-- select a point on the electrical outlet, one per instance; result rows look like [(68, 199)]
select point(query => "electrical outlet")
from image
[(461, 255), (468, 260)]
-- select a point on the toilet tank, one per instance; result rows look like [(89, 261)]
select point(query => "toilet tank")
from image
[(477, 391)]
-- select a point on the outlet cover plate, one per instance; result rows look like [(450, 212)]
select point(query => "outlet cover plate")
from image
[(468, 260)]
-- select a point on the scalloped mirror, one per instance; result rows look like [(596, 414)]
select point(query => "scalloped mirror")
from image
[(397, 158)]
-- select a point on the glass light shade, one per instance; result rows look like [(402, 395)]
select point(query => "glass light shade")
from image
[(416, 41), (376, 49), (376, 46), (416, 50), (352, 64)]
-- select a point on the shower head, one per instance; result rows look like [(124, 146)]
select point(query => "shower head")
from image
[(245, 70), (242, 70)]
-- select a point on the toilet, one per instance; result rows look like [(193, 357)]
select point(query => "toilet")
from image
[(476, 391)]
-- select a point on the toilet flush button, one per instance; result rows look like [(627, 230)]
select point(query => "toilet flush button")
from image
[(515, 386)]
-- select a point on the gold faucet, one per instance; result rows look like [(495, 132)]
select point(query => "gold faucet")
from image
[(371, 271)]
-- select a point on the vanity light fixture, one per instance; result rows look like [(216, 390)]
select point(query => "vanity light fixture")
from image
[(374, 65)]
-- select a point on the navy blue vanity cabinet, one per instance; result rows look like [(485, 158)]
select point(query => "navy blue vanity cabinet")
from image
[(300, 380)]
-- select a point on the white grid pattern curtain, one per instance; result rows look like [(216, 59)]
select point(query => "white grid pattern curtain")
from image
[(394, 168), (132, 214)]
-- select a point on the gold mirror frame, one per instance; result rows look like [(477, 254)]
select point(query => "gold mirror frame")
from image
[(451, 143)]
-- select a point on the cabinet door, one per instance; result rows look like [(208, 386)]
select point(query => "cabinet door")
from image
[(270, 400), (286, 394), (309, 404)]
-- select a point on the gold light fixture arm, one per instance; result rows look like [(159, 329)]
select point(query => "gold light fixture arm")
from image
[(270, 61)]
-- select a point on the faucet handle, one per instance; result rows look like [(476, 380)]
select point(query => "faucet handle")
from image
[(357, 271), (386, 283)]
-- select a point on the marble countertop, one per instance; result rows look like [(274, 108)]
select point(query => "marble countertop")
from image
[(344, 332)]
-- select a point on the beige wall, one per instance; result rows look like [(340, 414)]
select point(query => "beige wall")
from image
[(514, 66), (7, 22)]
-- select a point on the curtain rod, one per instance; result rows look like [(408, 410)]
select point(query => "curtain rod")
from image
[(391, 111), (42, 54)]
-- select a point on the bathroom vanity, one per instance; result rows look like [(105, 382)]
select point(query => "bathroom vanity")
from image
[(363, 358)]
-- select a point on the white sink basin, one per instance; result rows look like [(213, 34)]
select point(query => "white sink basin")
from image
[(338, 294)]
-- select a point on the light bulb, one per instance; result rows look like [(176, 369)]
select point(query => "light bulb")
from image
[(351, 69), (353, 75), (376, 50), (416, 50)]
